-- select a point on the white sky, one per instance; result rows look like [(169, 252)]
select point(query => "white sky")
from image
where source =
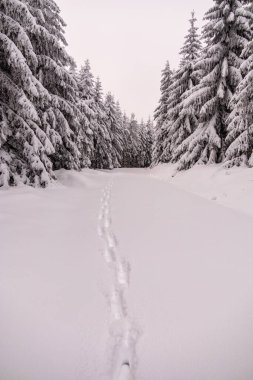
[(128, 43)]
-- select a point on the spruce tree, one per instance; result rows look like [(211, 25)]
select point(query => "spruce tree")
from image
[(102, 139), (141, 163), (161, 114), (239, 140), (181, 122), (24, 145), (161, 110), (146, 142), (135, 143), (226, 34), (89, 110), (149, 142), (60, 116), (115, 130), (119, 115), (191, 50), (127, 142)]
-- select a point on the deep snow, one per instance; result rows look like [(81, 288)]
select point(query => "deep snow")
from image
[(184, 306)]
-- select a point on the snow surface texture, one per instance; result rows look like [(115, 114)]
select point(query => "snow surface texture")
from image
[(188, 307)]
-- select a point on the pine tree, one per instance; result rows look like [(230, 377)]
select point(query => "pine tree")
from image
[(239, 140), (24, 146), (161, 113), (181, 122), (115, 130), (226, 34)]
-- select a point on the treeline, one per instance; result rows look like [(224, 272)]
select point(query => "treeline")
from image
[(205, 114), (52, 115)]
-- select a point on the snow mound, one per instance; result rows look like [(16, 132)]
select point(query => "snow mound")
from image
[(75, 179), (232, 188)]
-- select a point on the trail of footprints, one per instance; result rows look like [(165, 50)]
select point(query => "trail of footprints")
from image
[(118, 265), (123, 331)]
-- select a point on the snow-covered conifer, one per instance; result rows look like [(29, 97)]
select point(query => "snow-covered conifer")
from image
[(60, 116), (127, 151), (239, 140), (191, 49), (146, 131), (115, 130), (149, 141), (102, 138), (119, 115), (161, 113), (135, 142), (181, 122), (161, 110), (24, 145), (226, 34), (89, 110)]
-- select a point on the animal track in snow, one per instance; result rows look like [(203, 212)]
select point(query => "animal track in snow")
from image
[(123, 273), (123, 332), (118, 309)]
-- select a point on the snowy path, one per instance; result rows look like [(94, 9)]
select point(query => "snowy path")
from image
[(70, 313), (124, 334)]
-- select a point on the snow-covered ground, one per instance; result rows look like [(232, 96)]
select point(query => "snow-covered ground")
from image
[(130, 266), (230, 187)]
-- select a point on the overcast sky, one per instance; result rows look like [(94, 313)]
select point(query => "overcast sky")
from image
[(128, 43)]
